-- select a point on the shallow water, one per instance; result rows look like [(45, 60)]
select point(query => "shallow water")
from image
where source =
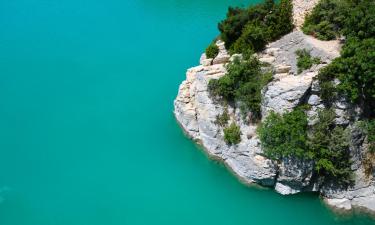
[(87, 134)]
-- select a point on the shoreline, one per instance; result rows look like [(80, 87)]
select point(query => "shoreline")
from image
[(336, 210)]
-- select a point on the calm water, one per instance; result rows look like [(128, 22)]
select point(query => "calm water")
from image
[(87, 134)]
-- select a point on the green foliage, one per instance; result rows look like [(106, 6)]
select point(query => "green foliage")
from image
[(232, 134), (284, 136), (212, 50), (222, 120), (325, 20), (253, 37), (243, 83), (332, 18), (304, 60), (359, 19), (369, 129), (327, 145), (255, 26), (356, 71)]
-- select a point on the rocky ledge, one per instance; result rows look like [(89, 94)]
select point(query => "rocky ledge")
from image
[(196, 112)]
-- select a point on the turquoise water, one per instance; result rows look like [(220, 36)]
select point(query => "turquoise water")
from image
[(87, 134)]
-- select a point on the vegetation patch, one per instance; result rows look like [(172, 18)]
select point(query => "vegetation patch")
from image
[(327, 145), (255, 26), (369, 129), (355, 70), (329, 148), (284, 135), (352, 75), (332, 18), (222, 119), (232, 134), (212, 51), (305, 60), (242, 83)]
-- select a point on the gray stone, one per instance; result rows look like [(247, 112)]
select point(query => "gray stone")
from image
[(196, 111)]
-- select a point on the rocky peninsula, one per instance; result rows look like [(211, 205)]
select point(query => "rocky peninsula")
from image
[(196, 111)]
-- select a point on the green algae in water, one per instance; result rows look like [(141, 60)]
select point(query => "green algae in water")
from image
[(87, 133)]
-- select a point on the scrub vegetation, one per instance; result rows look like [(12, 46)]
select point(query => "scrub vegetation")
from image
[(305, 60), (352, 76), (212, 50), (255, 26), (326, 144), (222, 119), (242, 83), (355, 69), (248, 30), (232, 134)]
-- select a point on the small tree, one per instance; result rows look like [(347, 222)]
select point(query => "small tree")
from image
[(212, 51), (304, 60), (232, 134), (284, 135), (222, 119)]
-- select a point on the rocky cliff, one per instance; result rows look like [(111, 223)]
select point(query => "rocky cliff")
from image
[(196, 111)]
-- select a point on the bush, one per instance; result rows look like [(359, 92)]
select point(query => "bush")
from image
[(222, 120), (212, 50), (232, 134), (327, 145), (356, 72), (284, 136), (332, 18), (369, 129), (304, 60), (253, 37), (326, 20), (255, 26), (243, 83)]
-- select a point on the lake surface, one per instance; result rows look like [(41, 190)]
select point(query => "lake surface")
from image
[(87, 134)]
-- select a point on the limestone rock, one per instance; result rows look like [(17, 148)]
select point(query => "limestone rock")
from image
[(196, 111), (223, 56)]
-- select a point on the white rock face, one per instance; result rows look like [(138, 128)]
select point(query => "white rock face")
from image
[(289, 89), (286, 93), (223, 56), (196, 112), (342, 203)]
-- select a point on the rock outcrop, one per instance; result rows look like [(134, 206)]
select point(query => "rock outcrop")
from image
[(196, 111)]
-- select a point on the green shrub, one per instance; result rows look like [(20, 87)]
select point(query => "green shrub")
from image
[(304, 60), (243, 82), (332, 18), (212, 51), (284, 135), (369, 129), (222, 119), (232, 134), (326, 20), (329, 147), (355, 70), (254, 27), (253, 37), (359, 19)]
